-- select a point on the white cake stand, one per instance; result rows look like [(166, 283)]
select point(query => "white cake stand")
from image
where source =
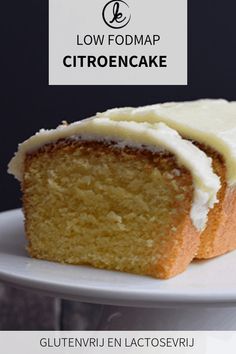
[(204, 297)]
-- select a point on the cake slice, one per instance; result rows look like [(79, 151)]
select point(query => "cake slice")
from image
[(125, 196), (210, 125)]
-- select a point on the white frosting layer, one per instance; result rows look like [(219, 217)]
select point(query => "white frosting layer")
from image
[(154, 136), (212, 122)]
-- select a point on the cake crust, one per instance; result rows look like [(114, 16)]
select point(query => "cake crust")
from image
[(219, 237)]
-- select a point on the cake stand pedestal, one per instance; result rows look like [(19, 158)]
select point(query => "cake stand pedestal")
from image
[(81, 316)]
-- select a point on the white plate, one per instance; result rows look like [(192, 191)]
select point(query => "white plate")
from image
[(210, 282)]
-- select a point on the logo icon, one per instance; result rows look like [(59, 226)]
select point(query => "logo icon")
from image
[(116, 14)]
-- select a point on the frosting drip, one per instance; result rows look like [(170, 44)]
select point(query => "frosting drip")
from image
[(153, 135), (211, 122)]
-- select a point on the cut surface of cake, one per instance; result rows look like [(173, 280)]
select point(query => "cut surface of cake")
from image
[(211, 125), (118, 195)]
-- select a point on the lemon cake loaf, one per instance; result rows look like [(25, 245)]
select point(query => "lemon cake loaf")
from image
[(121, 195), (211, 125)]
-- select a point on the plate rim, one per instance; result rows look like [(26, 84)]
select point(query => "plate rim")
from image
[(106, 295)]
